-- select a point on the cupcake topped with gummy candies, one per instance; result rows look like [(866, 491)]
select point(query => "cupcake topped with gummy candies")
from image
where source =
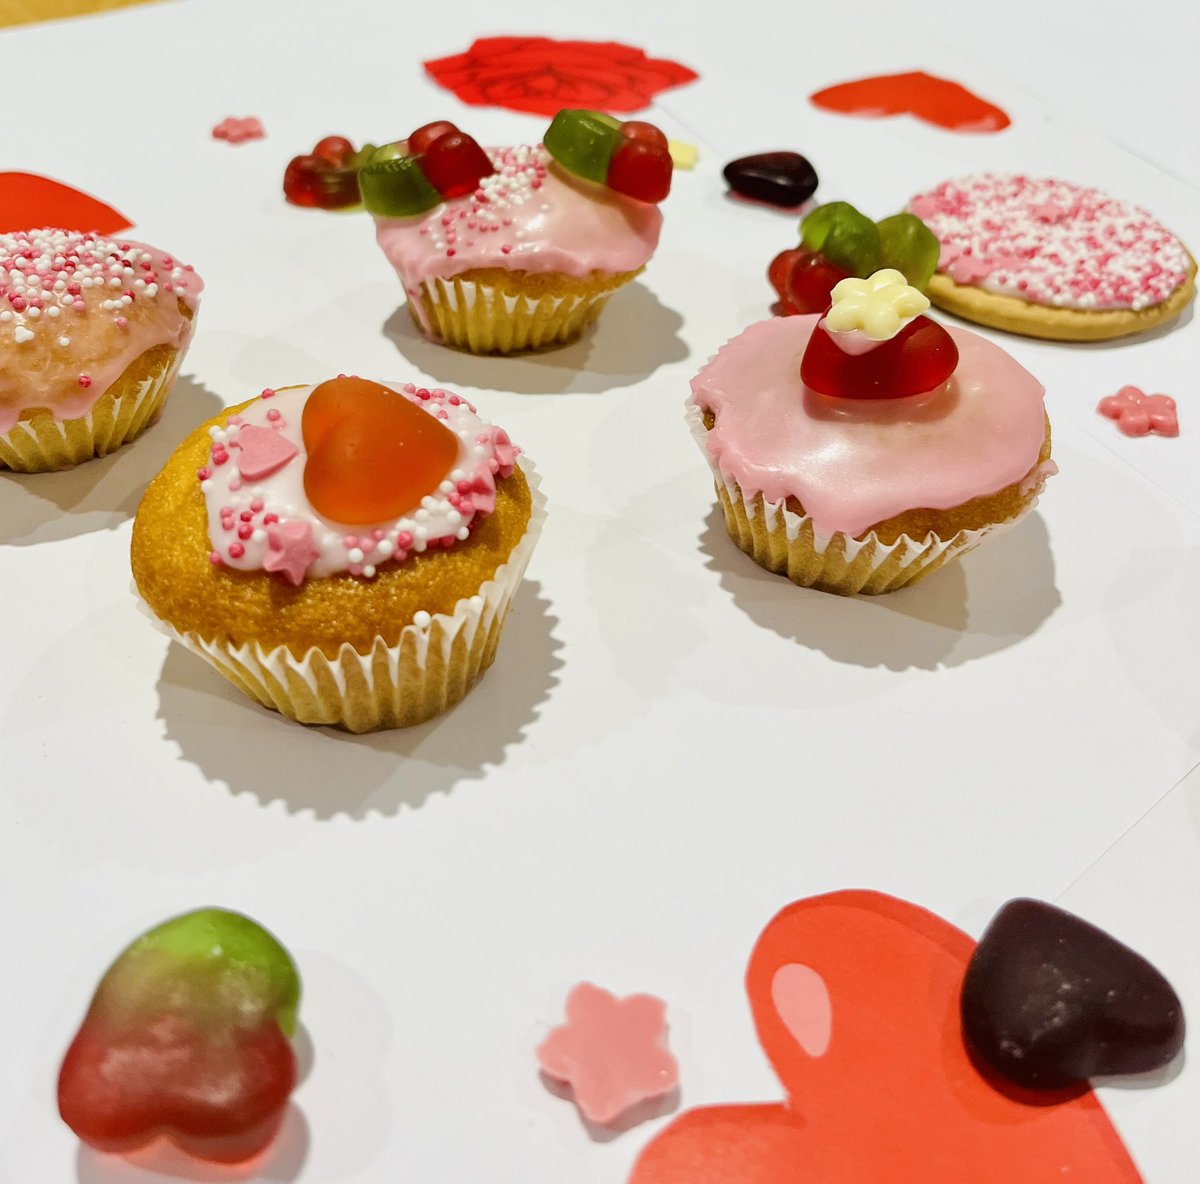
[(345, 552), (859, 450), (506, 249), (92, 332)]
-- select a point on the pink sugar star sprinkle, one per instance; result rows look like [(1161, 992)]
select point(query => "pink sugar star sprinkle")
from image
[(237, 131), (611, 1052), (1138, 414), (290, 550)]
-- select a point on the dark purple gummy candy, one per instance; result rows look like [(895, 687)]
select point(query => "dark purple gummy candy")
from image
[(780, 178), (1049, 1001)]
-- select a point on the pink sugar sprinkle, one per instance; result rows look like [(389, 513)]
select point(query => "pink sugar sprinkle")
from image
[(270, 519), (274, 414), (267, 393), (349, 541), (85, 380), (245, 530), (214, 558), (404, 539), (257, 504), (246, 516), (204, 473), (236, 550)]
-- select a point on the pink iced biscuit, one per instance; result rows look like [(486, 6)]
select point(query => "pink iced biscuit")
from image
[(611, 1052), (1138, 414), (1050, 242), (528, 216), (76, 310), (853, 463)]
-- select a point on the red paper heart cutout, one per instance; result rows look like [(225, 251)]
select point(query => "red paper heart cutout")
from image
[(893, 1097), (935, 100), (372, 455), (28, 201)]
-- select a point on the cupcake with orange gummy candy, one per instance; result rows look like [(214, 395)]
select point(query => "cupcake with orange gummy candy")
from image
[(859, 450), (507, 249), (92, 332), (344, 553)]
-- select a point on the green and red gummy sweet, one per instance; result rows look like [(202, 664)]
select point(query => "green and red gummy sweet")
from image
[(187, 1038), (632, 158)]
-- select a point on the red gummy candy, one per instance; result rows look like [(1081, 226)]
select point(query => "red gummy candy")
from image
[(336, 150), (455, 164), (641, 168), (420, 140), (315, 180), (810, 281), (639, 129), (919, 358), (777, 273)]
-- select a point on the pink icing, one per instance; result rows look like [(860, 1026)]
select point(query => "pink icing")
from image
[(530, 216), (853, 463), (1051, 242), (260, 519), (76, 310), (612, 1052), (1138, 414)]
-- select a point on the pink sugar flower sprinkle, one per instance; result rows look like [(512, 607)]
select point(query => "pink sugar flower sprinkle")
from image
[(1139, 414), (238, 131)]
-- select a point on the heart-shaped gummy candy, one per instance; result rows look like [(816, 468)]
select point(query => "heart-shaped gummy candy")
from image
[(372, 455), (1049, 1000), (187, 1039)]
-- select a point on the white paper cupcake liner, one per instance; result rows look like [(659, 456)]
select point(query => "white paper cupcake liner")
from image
[(44, 444), (436, 661), (782, 541)]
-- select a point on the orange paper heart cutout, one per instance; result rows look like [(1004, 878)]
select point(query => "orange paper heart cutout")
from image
[(935, 100), (372, 455), (856, 1000), (28, 201)]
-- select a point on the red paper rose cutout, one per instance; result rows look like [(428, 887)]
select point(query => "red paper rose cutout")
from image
[(541, 75)]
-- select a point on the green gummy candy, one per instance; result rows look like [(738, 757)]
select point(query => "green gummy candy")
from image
[(845, 237), (253, 975), (396, 187), (909, 246), (583, 142)]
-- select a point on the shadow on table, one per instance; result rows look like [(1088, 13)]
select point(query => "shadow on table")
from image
[(634, 335), (929, 624), (99, 494), (233, 740)]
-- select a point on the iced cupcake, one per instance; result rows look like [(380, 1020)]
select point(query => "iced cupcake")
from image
[(344, 553), (860, 450), (509, 249), (92, 332)]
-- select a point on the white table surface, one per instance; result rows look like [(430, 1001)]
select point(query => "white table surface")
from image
[(672, 744)]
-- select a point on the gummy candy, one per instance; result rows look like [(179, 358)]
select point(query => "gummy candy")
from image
[(187, 1038), (844, 236), (420, 140), (908, 245), (811, 279), (633, 158), (583, 142), (327, 177), (454, 164), (396, 188), (778, 178), (919, 358), (372, 455)]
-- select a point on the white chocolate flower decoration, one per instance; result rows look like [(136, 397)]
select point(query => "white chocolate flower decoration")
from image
[(881, 305)]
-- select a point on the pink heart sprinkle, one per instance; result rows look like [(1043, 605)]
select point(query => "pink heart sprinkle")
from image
[(263, 452)]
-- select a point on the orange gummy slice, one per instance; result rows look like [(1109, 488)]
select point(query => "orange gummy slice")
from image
[(372, 455)]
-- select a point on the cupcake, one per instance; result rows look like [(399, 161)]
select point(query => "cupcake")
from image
[(345, 553), (1050, 259), (509, 249), (92, 332), (860, 450)]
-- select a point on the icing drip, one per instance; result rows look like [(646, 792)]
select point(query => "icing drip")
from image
[(259, 518), (1050, 242)]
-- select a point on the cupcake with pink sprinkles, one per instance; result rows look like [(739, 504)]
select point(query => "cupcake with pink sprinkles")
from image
[(92, 333), (1049, 258)]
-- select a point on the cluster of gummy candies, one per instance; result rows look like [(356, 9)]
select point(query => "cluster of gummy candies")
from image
[(837, 242), (438, 162)]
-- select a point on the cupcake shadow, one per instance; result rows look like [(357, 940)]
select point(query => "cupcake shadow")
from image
[(634, 335), (233, 740), (993, 598), (99, 494)]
